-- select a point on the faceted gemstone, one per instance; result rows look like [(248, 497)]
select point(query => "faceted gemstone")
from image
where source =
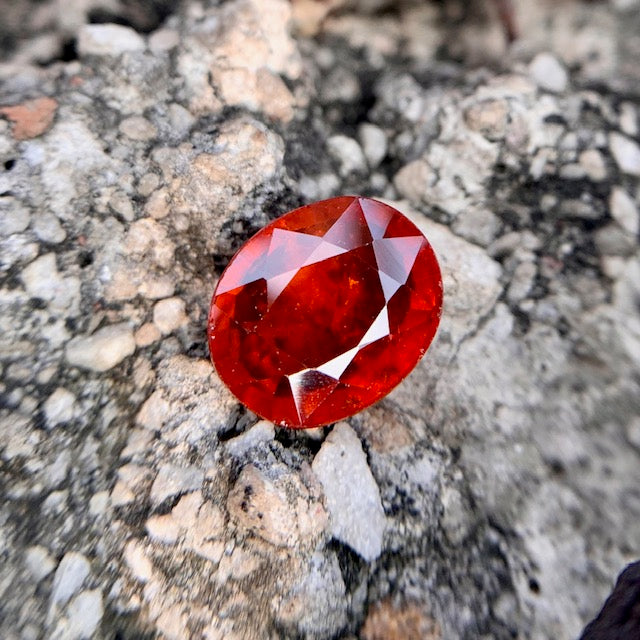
[(324, 311)]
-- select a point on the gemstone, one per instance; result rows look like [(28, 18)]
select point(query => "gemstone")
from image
[(324, 311)]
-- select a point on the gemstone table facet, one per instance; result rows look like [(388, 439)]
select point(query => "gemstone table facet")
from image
[(324, 311)]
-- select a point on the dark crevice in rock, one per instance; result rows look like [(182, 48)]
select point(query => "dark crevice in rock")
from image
[(145, 16), (69, 50), (241, 421), (119, 625), (353, 568), (301, 154), (294, 440)]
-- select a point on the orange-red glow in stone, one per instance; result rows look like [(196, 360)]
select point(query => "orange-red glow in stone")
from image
[(324, 311)]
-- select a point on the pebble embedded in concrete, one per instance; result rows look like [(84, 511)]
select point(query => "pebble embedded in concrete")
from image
[(60, 407), (548, 73), (102, 350), (108, 40), (626, 153), (624, 210), (70, 575), (173, 480), (353, 497)]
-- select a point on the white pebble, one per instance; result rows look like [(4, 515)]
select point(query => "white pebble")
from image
[(548, 73), (14, 217), (48, 228), (38, 562), (41, 278), (169, 315), (103, 350), (628, 119), (99, 503), (624, 210), (163, 40), (633, 432), (593, 164), (84, 613), (138, 128), (626, 153), (374, 143), (353, 497), (59, 408), (108, 40), (137, 561), (261, 433), (173, 480), (348, 153), (71, 573)]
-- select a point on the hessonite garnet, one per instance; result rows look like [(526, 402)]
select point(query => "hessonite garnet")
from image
[(324, 311)]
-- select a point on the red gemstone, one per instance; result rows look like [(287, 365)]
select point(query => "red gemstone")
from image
[(324, 311)]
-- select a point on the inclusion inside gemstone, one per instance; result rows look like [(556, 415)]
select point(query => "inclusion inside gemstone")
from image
[(324, 311)]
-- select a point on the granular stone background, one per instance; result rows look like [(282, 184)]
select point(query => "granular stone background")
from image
[(494, 494)]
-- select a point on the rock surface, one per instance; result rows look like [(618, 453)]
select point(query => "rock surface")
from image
[(352, 495), (493, 494)]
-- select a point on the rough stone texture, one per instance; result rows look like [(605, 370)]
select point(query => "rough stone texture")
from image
[(108, 40), (103, 350), (388, 622), (138, 499), (353, 497), (548, 73), (31, 118)]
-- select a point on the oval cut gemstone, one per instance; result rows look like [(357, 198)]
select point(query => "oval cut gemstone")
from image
[(324, 311)]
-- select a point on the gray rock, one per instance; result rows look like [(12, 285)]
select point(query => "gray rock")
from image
[(317, 603), (39, 562), (108, 40), (374, 143), (60, 407), (477, 225), (353, 497), (611, 240), (548, 73), (471, 280), (633, 432), (523, 278), (509, 451), (48, 228), (169, 315), (624, 210), (14, 217), (173, 480), (42, 280), (626, 153), (84, 615), (348, 153), (260, 434), (456, 519), (103, 350), (70, 575)]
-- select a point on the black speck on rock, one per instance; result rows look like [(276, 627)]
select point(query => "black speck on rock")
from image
[(620, 615)]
